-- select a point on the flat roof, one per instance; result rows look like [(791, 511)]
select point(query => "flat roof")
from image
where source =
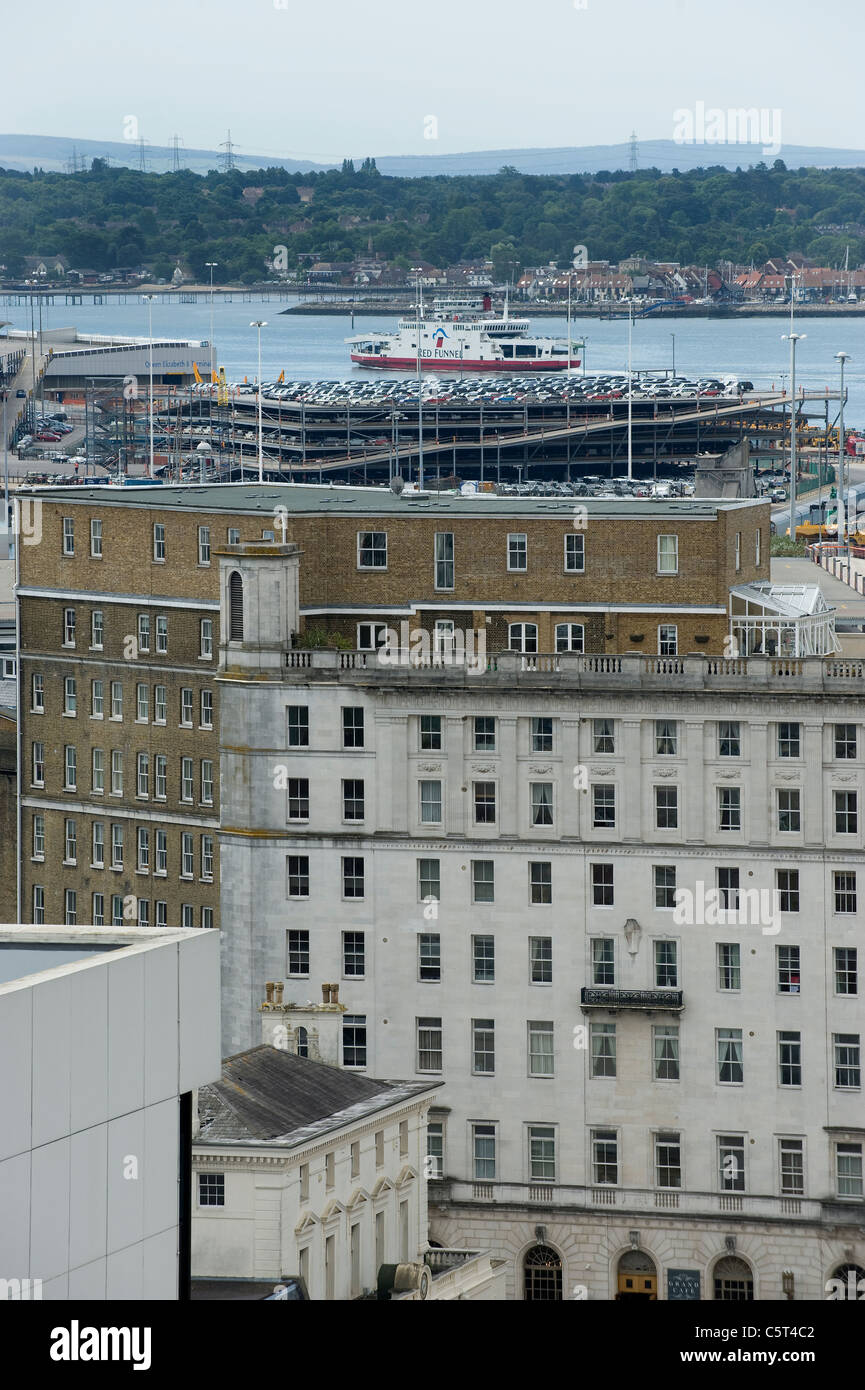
[(51, 950), (307, 499)]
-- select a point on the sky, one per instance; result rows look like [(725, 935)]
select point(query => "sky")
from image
[(339, 77)]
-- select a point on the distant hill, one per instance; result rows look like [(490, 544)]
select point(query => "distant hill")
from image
[(57, 153)]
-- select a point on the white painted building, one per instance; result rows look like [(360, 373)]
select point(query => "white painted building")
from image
[(105, 1033)]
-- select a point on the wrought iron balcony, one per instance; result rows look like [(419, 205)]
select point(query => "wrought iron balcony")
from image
[(649, 1000)]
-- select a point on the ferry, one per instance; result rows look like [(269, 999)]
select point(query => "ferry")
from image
[(463, 335)]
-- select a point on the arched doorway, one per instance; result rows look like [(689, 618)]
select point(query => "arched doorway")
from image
[(636, 1276), (542, 1275), (733, 1280), (235, 607)]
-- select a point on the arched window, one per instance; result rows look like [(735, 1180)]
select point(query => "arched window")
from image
[(235, 608), (523, 637), (570, 637), (542, 1275), (734, 1282), (302, 1043)]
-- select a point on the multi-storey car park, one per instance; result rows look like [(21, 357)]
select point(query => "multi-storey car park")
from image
[(577, 875)]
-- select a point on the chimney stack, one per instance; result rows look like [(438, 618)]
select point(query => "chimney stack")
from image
[(325, 994), (278, 988), (268, 992)]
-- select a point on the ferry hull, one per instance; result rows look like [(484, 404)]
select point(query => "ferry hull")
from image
[(463, 364)]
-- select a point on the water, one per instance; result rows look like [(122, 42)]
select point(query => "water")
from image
[(309, 347)]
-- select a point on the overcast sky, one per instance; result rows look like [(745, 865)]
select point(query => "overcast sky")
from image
[(326, 78)]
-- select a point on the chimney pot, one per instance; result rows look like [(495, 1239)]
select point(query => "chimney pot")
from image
[(325, 994), (268, 992), (334, 994), (278, 988)]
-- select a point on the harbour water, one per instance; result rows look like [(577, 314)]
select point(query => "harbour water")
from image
[(308, 347)]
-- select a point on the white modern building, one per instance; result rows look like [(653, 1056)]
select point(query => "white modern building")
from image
[(105, 1034)]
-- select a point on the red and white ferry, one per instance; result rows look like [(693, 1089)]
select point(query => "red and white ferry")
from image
[(462, 335)]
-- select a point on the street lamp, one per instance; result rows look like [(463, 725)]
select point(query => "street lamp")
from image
[(673, 336), (842, 357), (416, 271), (211, 266), (630, 389), (149, 299), (259, 324), (793, 339)]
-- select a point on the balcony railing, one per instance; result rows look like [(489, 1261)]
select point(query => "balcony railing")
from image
[(650, 1000)]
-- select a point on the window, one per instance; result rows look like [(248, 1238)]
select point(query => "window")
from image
[(429, 1044), (372, 550), (298, 798), (116, 910), (846, 1050), (429, 880), (728, 1043), (352, 726), (160, 773), (485, 733), (483, 1046), (845, 892), (70, 768), (207, 857), (352, 799), (788, 740), (143, 775), (38, 761), (379, 1148), (143, 860), (233, 535), (186, 697), (371, 636), (161, 864), (605, 1156), (206, 709), (144, 632), (603, 807), (162, 636), (38, 904), (206, 782), (483, 881), (116, 699), (846, 817), (117, 848), (444, 560), (666, 964), (845, 740), (435, 1148), (729, 808), (575, 552), (37, 694), (666, 738), (204, 545), (187, 855), (298, 726), (602, 1037), (603, 736), (727, 880), (603, 960), (789, 1059), (738, 551), (69, 627), (787, 959), (430, 802), (206, 639), (729, 965), (298, 953), (298, 876), (787, 883), (96, 539), (98, 910), (161, 913), (68, 536), (846, 970), (38, 837), (541, 1055), (144, 912), (570, 637), (542, 1153), (484, 802), (142, 702), (70, 842), (665, 1052), (354, 1040), (430, 733), (158, 541), (523, 637), (668, 639), (848, 1169), (668, 555), (353, 953), (731, 1163), (97, 699), (602, 885), (791, 1158), (789, 811), (517, 551), (71, 907), (668, 1160), (542, 735), (666, 808), (70, 696), (665, 885), (186, 780), (211, 1187), (541, 960), (429, 963), (541, 804), (484, 1152), (729, 741), (352, 877), (540, 882), (97, 630), (483, 960)]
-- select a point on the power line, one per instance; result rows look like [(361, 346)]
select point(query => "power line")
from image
[(176, 142), (142, 155), (228, 160), (634, 157)]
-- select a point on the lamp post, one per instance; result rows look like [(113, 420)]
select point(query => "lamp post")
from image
[(630, 389), (842, 358), (259, 324), (793, 339), (149, 299), (673, 336), (211, 266), (416, 270)]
